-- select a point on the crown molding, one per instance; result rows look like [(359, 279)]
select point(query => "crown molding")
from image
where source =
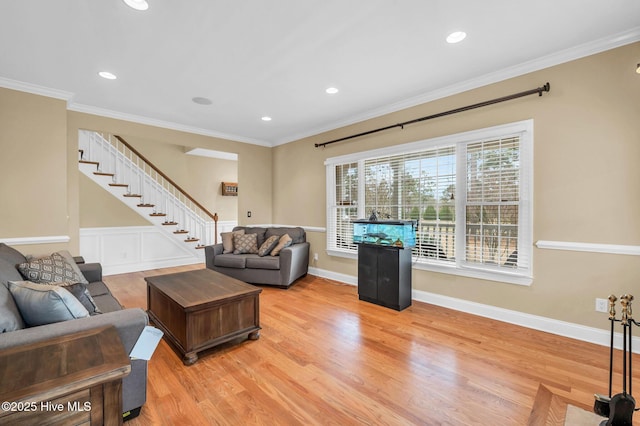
[(103, 112), (557, 58), (21, 86)]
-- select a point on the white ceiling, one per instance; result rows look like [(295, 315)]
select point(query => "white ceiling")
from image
[(276, 57)]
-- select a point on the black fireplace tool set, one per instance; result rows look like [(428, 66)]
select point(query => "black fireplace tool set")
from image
[(619, 408)]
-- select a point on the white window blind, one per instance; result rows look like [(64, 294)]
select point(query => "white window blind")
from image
[(470, 193)]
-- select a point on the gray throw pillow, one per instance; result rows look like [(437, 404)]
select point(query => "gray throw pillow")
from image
[(45, 304), (80, 292)]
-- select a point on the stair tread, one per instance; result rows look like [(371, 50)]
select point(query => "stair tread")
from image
[(133, 195), (119, 184), (89, 162), (103, 174), (157, 214), (169, 223), (146, 205), (182, 231), (190, 240)]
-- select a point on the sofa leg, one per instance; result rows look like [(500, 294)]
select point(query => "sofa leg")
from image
[(131, 414)]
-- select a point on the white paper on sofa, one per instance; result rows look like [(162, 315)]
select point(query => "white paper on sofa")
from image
[(147, 343)]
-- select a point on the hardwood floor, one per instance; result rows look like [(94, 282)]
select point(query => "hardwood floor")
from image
[(324, 357)]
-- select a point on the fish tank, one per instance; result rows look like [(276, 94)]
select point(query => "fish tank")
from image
[(393, 233)]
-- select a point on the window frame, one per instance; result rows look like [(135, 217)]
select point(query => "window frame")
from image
[(523, 129)]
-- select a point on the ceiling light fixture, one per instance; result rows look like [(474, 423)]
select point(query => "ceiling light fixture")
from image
[(266, 118), (456, 37), (137, 4), (107, 75), (201, 101), (638, 69), (332, 90)]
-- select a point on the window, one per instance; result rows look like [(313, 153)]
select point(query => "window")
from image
[(470, 194)]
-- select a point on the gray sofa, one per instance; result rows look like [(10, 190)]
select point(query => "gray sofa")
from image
[(128, 322), (282, 270)]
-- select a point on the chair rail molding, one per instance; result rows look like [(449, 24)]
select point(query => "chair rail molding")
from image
[(35, 240), (589, 247)]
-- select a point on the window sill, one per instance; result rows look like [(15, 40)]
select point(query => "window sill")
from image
[(501, 276)]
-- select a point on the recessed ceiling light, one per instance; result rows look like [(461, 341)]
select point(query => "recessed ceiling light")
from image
[(107, 75), (265, 118), (137, 4), (202, 101), (332, 90), (456, 37)]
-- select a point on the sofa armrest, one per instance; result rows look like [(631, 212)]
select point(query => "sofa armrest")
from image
[(210, 252), (129, 323), (91, 271), (294, 262)]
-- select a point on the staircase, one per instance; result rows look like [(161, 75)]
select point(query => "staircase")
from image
[(117, 167)]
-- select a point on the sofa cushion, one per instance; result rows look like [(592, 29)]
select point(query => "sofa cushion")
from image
[(230, 261), (10, 318), (297, 234), (285, 241), (227, 240), (268, 245), (247, 243), (11, 255), (97, 288), (107, 303), (49, 269), (41, 304), (268, 262)]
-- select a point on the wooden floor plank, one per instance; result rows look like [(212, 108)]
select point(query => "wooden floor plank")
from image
[(325, 357)]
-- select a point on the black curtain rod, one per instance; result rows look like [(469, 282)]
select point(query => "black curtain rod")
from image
[(537, 90)]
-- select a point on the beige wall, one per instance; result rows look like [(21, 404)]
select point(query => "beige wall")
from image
[(586, 182), (33, 167)]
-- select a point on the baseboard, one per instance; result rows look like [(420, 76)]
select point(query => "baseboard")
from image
[(561, 328)]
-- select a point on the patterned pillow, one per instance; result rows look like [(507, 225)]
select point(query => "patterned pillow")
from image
[(49, 269), (284, 241), (268, 245), (227, 240), (247, 243)]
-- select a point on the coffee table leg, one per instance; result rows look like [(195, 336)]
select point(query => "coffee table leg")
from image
[(254, 335), (190, 358)]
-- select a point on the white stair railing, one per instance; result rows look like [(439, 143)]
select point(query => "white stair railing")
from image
[(144, 182)]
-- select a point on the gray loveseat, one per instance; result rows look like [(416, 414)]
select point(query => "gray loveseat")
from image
[(282, 270), (128, 322)]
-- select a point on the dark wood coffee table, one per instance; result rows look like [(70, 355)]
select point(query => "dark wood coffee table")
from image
[(200, 309)]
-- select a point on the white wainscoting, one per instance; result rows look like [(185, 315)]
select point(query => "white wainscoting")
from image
[(549, 325), (133, 248)]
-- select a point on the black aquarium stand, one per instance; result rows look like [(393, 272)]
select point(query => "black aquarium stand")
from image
[(384, 275)]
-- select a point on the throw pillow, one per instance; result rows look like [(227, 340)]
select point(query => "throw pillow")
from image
[(245, 243), (49, 269), (268, 245), (45, 304), (284, 241), (80, 292), (67, 256), (227, 240)]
